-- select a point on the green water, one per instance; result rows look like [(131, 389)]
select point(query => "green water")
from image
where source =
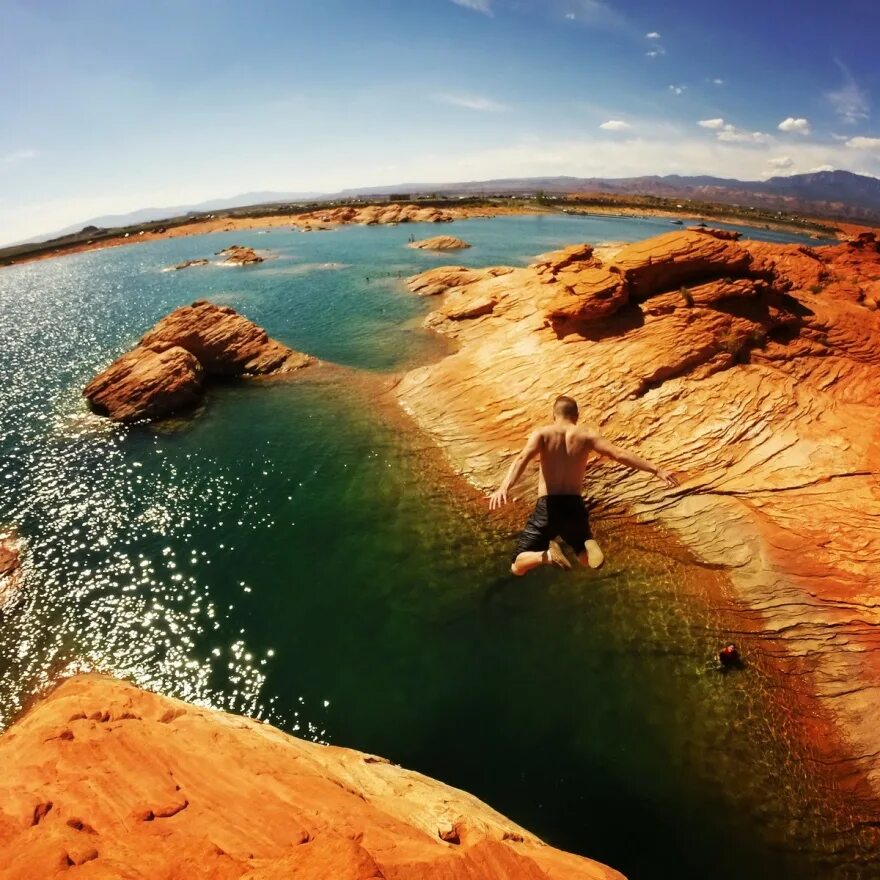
[(292, 553)]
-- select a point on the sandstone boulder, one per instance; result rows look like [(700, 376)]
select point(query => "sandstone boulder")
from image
[(147, 384), (236, 255), (440, 243), (11, 551)]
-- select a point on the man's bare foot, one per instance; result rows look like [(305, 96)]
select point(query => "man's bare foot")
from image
[(557, 557), (595, 556)]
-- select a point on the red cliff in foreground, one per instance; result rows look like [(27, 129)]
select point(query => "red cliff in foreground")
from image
[(107, 781), (750, 369), (166, 371)]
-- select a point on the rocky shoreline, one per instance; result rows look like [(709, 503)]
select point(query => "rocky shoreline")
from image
[(751, 369), (388, 214)]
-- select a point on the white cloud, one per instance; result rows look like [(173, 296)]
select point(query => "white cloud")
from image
[(652, 35), (797, 125), (484, 6), (656, 52), (589, 12), (17, 156), (781, 162), (850, 101), (712, 123), (864, 143), (717, 81), (736, 135), (821, 168), (615, 125), (677, 90), (634, 155), (472, 102)]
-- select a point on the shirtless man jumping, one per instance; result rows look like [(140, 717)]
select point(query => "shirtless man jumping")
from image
[(564, 449)]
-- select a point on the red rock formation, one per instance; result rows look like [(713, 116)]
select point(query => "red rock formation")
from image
[(166, 371), (110, 781), (186, 264), (440, 243), (10, 563), (751, 369), (237, 255)]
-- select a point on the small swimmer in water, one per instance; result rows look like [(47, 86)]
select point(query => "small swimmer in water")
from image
[(730, 658)]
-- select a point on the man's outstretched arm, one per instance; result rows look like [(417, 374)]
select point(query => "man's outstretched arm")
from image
[(517, 466), (630, 459)]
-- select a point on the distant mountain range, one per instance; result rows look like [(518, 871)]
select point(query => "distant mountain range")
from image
[(146, 215), (833, 194), (823, 193)]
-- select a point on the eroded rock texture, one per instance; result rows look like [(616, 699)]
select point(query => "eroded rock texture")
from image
[(106, 780), (166, 371), (751, 369)]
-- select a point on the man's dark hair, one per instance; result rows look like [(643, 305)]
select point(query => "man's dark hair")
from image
[(565, 407)]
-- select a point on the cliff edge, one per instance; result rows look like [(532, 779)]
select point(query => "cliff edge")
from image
[(115, 782)]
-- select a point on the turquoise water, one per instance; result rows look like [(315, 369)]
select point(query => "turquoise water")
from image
[(294, 554)]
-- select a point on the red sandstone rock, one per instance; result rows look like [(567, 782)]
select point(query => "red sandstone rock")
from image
[(11, 549), (123, 783), (165, 372), (759, 382), (236, 255), (440, 243), (587, 294), (147, 384)]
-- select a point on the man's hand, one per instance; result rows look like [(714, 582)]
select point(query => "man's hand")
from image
[(668, 478), (498, 499)]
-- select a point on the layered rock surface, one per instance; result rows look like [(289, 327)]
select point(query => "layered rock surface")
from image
[(166, 371), (103, 779), (751, 369)]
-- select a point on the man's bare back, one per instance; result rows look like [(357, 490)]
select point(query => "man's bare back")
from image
[(564, 449)]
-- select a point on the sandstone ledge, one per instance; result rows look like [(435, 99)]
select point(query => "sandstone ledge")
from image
[(166, 371), (751, 369), (123, 783)]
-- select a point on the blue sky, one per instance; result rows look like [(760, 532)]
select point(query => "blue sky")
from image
[(113, 105)]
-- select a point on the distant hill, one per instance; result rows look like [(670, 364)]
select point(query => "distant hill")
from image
[(146, 215), (839, 194)]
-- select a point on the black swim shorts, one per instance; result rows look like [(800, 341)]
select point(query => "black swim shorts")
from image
[(556, 516)]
